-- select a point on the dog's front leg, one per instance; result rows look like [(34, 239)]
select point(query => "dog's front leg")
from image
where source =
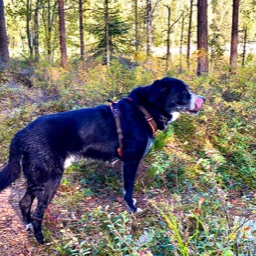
[(129, 175)]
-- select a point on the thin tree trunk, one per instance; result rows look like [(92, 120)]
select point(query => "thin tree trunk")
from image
[(4, 51), (49, 30), (62, 29), (136, 23), (108, 50), (202, 38), (149, 26), (36, 36), (81, 28), (244, 46), (168, 41), (189, 33), (181, 40), (50, 21), (28, 31), (234, 35)]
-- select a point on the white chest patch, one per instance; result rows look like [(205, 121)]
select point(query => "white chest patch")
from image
[(149, 145), (69, 160), (175, 116)]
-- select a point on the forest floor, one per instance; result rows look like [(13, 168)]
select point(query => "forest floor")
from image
[(16, 241), (188, 184)]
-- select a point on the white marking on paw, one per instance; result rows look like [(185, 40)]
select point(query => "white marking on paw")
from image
[(29, 226), (134, 201), (139, 210)]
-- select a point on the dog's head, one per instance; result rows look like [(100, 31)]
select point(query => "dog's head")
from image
[(172, 96)]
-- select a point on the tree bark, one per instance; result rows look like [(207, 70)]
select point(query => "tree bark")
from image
[(50, 14), (181, 40), (62, 29), (4, 51), (136, 24), (36, 36), (234, 35), (49, 30), (149, 26), (108, 50), (202, 38), (168, 40), (189, 32), (28, 30), (244, 46), (81, 28)]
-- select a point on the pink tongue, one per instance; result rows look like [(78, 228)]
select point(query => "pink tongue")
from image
[(199, 104)]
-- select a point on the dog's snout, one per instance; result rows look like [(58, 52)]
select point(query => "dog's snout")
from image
[(203, 98)]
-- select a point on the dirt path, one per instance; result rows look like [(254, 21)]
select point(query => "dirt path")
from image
[(14, 239)]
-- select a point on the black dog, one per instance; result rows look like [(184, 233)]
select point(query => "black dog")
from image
[(122, 131)]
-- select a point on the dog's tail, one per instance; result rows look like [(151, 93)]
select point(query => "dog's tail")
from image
[(12, 169)]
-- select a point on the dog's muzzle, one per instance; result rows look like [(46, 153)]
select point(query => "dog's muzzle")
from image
[(196, 104)]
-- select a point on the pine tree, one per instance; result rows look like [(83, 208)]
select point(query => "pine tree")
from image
[(109, 29), (234, 35), (4, 51), (202, 38), (63, 48)]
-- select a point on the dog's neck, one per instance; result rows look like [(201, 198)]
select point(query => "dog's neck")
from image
[(161, 119)]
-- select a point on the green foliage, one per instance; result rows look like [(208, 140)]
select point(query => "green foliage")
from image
[(108, 18), (194, 170)]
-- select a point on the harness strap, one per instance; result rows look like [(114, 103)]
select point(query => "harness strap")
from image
[(148, 117), (116, 115), (150, 120), (115, 112)]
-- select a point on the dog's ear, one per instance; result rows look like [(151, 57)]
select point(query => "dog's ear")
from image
[(156, 89)]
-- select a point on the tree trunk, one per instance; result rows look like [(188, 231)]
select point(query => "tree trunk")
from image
[(28, 31), (50, 20), (4, 52), (189, 32), (168, 41), (244, 46), (202, 38), (136, 24), (36, 36), (49, 31), (62, 29), (181, 40), (149, 26), (234, 35), (108, 50), (81, 28)]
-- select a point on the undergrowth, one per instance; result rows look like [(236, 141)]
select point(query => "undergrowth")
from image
[(196, 183)]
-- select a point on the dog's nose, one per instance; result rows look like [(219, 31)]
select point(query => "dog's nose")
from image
[(204, 99), (199, 103)]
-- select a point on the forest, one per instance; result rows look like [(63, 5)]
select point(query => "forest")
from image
[(196, 185)]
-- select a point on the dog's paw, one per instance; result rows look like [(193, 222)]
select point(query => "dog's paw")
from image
[(134, 201), (29, 227), (139, 210)]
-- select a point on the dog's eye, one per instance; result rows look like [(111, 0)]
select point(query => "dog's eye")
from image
[(185, 92)]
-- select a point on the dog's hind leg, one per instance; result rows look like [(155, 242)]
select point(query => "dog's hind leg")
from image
[(44, 196), (129, 175), (26, 204)]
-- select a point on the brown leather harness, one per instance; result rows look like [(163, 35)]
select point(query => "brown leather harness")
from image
[(116, 114)]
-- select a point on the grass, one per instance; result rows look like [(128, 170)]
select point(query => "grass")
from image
[(195, 185)]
